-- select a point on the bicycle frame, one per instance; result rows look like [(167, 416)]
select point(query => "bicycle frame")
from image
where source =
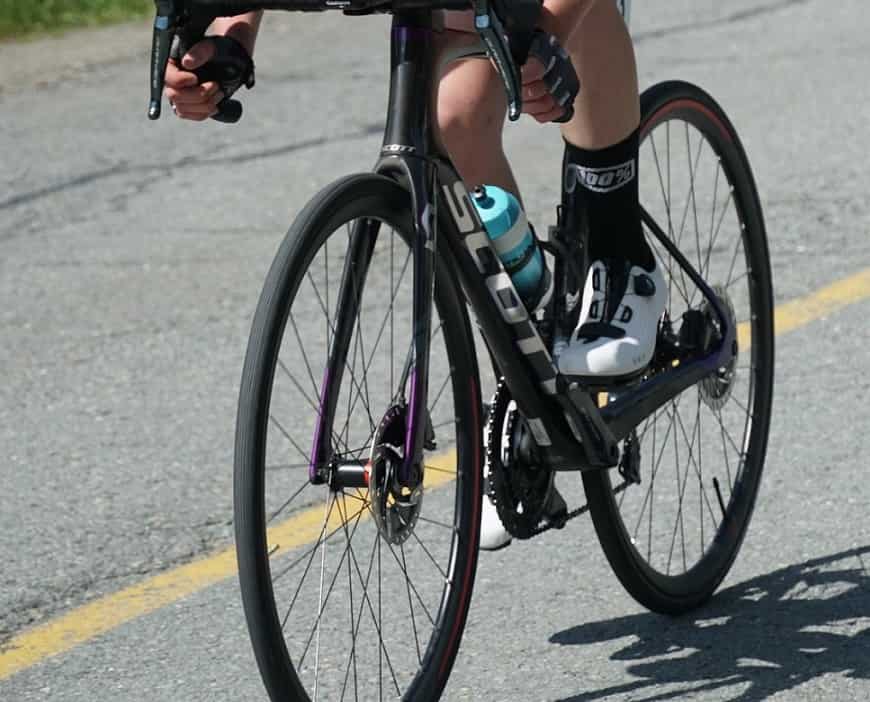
[(570, 430)]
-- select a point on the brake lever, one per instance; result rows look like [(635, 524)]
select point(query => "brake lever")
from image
[(491, 30), (165, 27)]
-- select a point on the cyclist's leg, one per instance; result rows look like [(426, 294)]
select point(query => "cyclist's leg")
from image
[(600, 171), (471, 110), (607, 108)]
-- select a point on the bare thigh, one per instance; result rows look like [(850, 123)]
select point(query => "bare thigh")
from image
[(470, 109)]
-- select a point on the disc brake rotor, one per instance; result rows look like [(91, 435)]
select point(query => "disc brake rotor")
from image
[(716, 388), (396, 507)]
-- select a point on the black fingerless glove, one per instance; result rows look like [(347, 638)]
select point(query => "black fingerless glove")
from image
[(559, 74), (231, 67)]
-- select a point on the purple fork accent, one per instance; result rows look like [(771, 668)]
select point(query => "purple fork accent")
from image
[(318, 428), (410, 429)]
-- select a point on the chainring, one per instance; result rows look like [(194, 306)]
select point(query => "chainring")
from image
[(518, 488)]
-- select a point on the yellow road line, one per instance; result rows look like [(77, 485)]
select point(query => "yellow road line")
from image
[(112, 611), (822, 303)]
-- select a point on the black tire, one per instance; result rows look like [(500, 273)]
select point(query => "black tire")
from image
[(726, 479), (396, 662)]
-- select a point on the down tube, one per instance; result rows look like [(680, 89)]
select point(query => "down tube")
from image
[(518, 349)]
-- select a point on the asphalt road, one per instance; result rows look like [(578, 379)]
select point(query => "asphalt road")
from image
[(131, 258)]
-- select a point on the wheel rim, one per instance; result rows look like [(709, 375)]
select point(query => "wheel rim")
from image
[(360, 615), (699, 458)]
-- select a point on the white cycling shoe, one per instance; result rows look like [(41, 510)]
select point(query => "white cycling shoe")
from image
[(493, 535), (615, 335)]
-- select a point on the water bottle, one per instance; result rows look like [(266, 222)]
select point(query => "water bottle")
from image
[(515, 244)]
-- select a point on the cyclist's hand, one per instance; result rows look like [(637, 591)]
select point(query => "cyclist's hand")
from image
[(549, 81), (537, 100), (190, 100)]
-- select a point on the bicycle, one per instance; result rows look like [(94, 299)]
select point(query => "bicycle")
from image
[(385, 506)]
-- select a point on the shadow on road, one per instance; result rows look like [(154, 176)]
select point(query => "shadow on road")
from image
[(763, 636)]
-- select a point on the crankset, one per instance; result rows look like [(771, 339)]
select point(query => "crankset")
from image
[(519, 485)]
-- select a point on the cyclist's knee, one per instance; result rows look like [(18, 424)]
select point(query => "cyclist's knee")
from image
[(470, 109), (468, 128)]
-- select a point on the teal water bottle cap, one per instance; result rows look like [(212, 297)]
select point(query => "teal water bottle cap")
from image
[(498, 209)]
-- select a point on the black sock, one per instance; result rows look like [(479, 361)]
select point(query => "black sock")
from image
[(600, 193)]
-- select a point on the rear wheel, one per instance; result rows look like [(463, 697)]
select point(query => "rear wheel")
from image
[(672, 537), (350, 592)]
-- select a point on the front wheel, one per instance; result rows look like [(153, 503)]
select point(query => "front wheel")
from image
[(353, 593), (695, 466)]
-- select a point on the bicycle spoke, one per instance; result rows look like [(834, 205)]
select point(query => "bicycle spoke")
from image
[(666, 196), (311, 552), (700, 478), (728, 434), (411, 607), (410, 583), (733, 261), (437, 523), (740, 277), (693, 462), (320, 608), (330, 328), (703, 269), (692, 187), (375, 620), (651, 497), (689, 199), (725, 455), (315, 631), (431, 557), (715, 235), (438, 396), (360, 614), (380, 618), (292, 321), (367, 364), (678, 522), (286, 466), (740, 405), (288, 437), (287, 503), (316, 407), (653, 475)]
